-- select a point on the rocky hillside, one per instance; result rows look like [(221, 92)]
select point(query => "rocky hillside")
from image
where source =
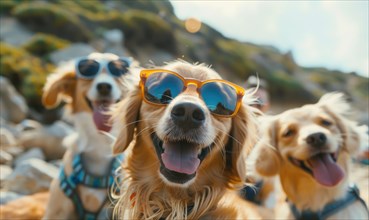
[(36, 35)]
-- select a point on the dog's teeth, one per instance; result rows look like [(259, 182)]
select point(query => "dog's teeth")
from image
[(199, 151), (307, 164), (334, 156)]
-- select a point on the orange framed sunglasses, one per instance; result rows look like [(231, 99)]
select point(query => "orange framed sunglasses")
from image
[(160, 87)]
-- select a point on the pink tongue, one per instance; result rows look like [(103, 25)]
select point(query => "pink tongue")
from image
[(100, 117), (325, 170), (180, 157)]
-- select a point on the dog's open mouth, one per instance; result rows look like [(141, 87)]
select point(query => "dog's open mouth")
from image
[(99, 110), (179, 160), (322, 167)]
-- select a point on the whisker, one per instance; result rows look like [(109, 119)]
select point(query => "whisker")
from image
[(128, 124), (226, 133), (147, 128), (143, 130)]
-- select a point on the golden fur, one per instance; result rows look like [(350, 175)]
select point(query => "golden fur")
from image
[(284, 136), (26, 207), (146, 195)]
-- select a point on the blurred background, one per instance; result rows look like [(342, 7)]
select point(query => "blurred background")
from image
[(301, 50), (333, 34)]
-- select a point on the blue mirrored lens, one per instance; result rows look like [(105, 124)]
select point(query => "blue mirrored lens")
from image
[(162, 87), (219, 97), (118, 67), (88, 68)]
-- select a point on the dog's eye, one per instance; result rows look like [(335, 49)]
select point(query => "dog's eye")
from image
[(288, 133), (325, 122)]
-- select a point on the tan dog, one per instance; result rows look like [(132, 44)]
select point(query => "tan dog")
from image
[(184, 160), (90, 85), (310, 148)]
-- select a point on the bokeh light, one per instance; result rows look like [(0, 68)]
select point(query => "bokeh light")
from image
[(192, 25)]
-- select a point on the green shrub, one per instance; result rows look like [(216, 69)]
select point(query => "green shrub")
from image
[(93, 6), (210, 33), (43, 44), (320, 79), (282, 86), (26, 72), (361, 86), (6, 6), (89, 12), (329, 80), (151, 6), (143, 28), (187, 48), (288, 62), (53, 19), (234, 57)]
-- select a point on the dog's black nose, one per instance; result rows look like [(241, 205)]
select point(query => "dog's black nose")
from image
[(317, 139), (104, 88), (188, 115)]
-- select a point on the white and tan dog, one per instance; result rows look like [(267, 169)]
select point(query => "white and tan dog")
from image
[(310, 148), (90, 85)]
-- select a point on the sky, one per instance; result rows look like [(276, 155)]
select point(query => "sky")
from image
[(331, 34)]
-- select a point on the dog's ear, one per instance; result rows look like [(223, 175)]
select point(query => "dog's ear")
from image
[(354, 137), (265, 157), (243, 137), (59, 86), (125, 116)]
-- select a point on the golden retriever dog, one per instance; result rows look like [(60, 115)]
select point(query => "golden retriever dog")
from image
[(310, 149), (186, 135), (89, 85)]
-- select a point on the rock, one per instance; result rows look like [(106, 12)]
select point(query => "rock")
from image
[(114, 41), (49, 139), (15, 151), (31, 176), (31, 153), (56, 163), (5, 171), (12, 32), (158, 57), (161, 56), (27, 207), (120, 51), (99, 44), (13, 106), (9, 127), (73, 51), (6, 137), (28, 124), (51, 145), (114, 37), (266, 62), (59, 129), (5, 158), (6, 197)]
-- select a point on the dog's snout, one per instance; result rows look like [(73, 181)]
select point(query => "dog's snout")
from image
[(188, 115), (317, 139), (104, 88)]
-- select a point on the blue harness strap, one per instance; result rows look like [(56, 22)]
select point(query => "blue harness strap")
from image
[(80, 176), (352, 195), (251, 193)]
